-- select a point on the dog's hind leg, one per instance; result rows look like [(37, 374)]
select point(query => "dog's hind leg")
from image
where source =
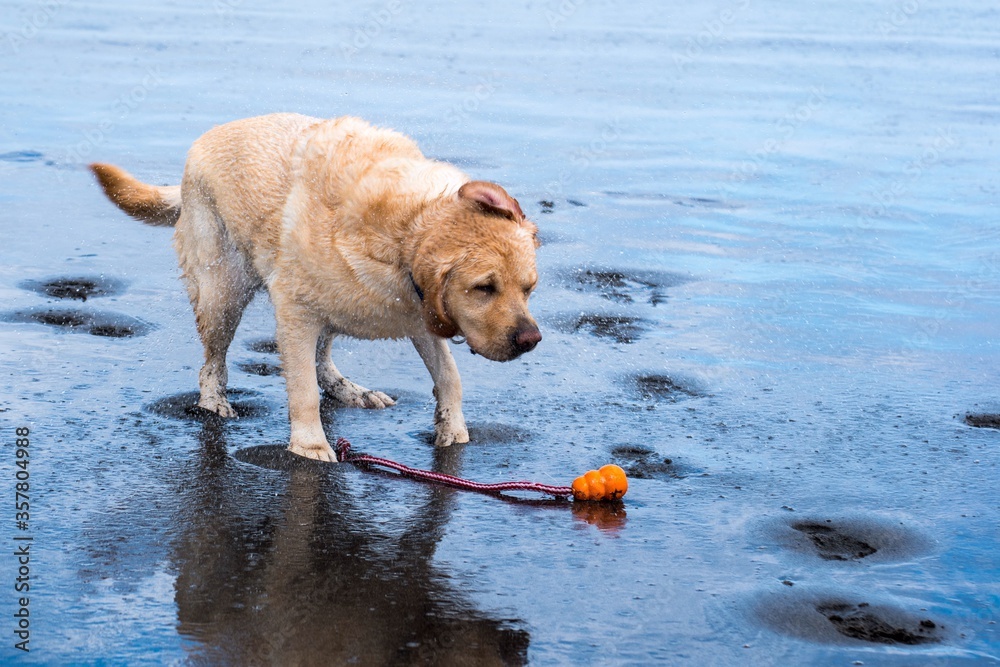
[(336, 386), (220, 285)]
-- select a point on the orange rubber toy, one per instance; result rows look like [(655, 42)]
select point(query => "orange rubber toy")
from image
[(608, 483)]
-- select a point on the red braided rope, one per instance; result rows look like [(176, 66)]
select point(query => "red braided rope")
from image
[(343, 454)]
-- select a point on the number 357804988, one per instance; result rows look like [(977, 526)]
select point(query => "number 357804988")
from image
[(21, 474)]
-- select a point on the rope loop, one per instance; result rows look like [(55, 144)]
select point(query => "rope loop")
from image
[(343, 451)]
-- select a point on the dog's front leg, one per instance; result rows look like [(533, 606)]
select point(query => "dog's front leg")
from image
[(449, 423), (298, 332)]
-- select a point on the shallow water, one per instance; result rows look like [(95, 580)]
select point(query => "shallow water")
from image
[(769, 290)]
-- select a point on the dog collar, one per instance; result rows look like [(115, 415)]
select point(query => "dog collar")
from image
[(416, 288)]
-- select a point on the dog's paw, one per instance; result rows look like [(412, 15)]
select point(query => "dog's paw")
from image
[(317, 451), (449, 429), (448, 437), (355, 396), (219, 406), (376, 400)]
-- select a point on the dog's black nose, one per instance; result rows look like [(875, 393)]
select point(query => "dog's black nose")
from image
[(526, 338)]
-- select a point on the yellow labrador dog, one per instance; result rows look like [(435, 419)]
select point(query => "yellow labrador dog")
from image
[(353, 232)]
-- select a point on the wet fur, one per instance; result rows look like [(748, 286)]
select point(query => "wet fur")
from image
[(339, 220)]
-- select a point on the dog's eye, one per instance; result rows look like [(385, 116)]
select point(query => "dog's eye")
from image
[(488, 288)]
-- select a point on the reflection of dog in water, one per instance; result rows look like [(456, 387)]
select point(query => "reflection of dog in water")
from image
[(308, 580), (353, 232)]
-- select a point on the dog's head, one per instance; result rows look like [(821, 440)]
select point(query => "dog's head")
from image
[(476, 270)]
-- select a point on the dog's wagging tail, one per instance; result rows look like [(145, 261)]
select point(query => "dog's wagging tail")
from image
[(159, 206)]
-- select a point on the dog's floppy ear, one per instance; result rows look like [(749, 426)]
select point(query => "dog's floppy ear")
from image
[(430, 278), (493, 199)]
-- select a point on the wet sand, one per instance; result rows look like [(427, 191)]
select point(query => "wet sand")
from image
[(768, 290)]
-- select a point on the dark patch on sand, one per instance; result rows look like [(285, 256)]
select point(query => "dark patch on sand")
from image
[(60, 318), (832, 543), (641, 462), (549, 205), (484, 433), (983, 420), (864, 622), (678, 200), (113, 330), (626, 285), (263, 346), (185, 406), (276, 457), (261, 368), (488, 433), (623, 329), (663, 388), (78, 287), (427, 437), (21, 156), (842, 618), (95, 323), (846, 539)]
